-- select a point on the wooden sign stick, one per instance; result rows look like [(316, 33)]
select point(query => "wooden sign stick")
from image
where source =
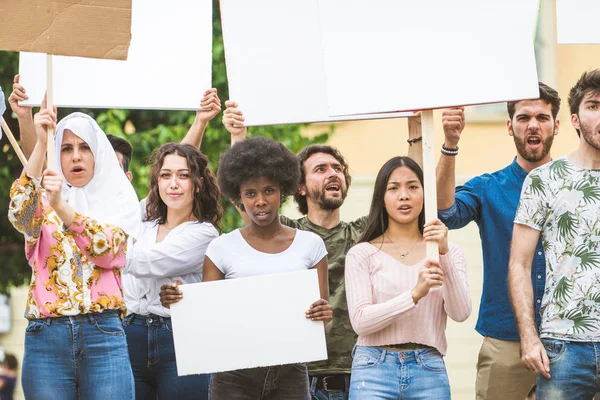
[(13, 142), (49, 105), (429, 178)]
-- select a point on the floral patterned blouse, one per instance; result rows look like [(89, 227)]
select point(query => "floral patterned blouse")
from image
[(76, 269)]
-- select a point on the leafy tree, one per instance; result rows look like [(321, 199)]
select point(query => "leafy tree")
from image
[(145, 130)]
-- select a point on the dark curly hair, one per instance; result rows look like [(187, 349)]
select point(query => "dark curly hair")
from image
[(304, 155), (207, 206), (254, 158)]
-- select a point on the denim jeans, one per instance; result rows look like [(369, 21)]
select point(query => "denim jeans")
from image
[(80, 357), (152, 354), (322, 394), (283, 382), (409, 375), (573, 370)]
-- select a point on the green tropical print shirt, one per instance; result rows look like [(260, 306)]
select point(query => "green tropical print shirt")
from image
[(340, 337), (562, 201)]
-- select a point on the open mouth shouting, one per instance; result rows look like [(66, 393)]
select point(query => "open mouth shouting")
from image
[(534, 142), (333, 187), (77, 170)]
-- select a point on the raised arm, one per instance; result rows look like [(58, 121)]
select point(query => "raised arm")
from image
[(43, 120), (210, 106), (233, 119), (24, 116), (453, 121), (415, 138), (524, 242)]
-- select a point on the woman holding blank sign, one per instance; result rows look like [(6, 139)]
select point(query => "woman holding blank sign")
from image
[(183, 214), (257, 175), (399, 319), (76, 221)]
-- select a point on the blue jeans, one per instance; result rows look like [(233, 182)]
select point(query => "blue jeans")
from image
[(152, 354), (573, 370), (409, 375), (320, 393), (80, 357)]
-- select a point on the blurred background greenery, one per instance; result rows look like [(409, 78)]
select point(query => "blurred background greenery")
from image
[(145, 130)]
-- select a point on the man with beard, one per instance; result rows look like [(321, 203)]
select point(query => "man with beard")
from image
[(491, 201), (324, 184), (561, 200)]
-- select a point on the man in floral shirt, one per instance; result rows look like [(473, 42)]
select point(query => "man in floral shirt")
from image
[(561, 200)]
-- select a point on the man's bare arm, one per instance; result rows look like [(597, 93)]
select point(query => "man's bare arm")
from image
[(523, 246)]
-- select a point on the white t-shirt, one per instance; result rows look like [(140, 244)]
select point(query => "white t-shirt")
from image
[(150, 265), (235, 258)]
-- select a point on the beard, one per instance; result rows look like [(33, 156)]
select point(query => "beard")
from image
[(327, 203), (589, 136), (533, 156)]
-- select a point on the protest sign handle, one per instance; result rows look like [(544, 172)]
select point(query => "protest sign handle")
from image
[(429, 178), (50, 105), (13, 142)]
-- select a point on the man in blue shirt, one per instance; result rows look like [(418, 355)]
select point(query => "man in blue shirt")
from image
[(491, 201)]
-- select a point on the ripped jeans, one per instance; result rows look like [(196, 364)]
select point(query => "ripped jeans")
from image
[(386, 374)]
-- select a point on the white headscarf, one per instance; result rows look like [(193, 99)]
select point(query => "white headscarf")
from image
[(109, 197)]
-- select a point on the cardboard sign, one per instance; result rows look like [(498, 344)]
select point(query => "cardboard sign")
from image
[(390, 55), (275, 63), (89, 28), (577, 21), (247, 322), (169, 64)]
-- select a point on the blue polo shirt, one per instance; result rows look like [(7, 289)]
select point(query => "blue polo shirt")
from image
[(491, 201)]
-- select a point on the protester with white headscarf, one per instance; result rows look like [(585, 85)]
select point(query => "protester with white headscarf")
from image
[(76, 221)]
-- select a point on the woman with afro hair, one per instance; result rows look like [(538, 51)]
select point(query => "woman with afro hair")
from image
[(257, 175)]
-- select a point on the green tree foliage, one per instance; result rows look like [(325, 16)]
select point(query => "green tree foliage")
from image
[(152, 129)]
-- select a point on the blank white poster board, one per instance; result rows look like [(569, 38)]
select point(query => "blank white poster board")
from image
[(577, 21), (169, 64), (246, 323), (275, 63), (394, 55)]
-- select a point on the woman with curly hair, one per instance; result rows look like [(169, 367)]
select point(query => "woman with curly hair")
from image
[(76, 218), (257, 175), (183, 214), (400, 347)]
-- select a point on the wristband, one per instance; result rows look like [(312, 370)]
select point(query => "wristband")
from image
[(415, 140), (449, 152)]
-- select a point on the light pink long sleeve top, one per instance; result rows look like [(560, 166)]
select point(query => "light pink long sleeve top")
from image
[(380, 303)]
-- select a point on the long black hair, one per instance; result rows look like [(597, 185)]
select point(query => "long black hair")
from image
[(377, 222)]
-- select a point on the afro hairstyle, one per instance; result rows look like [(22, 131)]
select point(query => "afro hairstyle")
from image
[(257, 157)]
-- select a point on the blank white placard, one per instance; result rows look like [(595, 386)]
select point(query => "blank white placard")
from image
[(577, 21), (169, 64), (247, 322), (394, 55), (275, 63)]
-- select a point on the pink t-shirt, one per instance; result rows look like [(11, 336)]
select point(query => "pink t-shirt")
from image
[(75, 270), (382, 311)]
